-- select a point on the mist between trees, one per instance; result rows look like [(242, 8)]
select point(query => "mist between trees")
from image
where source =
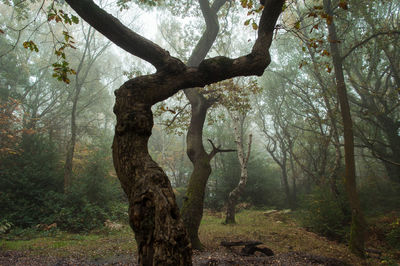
[(305, 116)]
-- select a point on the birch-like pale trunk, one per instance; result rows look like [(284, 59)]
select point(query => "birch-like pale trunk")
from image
[(243, 160)]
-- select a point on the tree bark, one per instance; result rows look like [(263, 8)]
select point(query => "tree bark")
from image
[(243, 160), (153, 212), (357, 233)]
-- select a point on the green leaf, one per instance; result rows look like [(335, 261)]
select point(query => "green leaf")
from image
[(75, 19)]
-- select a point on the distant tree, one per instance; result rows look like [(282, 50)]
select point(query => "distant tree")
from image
[(376, 81), (90, 54), (357, 234)]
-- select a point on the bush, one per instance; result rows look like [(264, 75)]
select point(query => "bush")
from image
[(81, 219), (30, 183), (321, 213), (379, 196), (118, 211), (94, 197), (393, 236)]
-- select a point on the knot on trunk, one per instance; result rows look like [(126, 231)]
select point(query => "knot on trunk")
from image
[(139, 121)]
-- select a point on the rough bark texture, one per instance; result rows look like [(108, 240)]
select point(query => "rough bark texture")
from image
[(357, 232), (243, 159), (153, 213)]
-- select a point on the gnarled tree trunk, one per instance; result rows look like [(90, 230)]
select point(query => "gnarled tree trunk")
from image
[(153, 212)]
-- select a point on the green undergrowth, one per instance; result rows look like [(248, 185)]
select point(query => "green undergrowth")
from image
[(98, 244)]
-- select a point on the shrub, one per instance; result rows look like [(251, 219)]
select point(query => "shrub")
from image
[(82, 218), (393, 235), (322, 213), (30, 182)]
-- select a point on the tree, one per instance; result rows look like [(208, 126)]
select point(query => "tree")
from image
[(235, 99), (376, 81), (192, 209), (87, 60), (357, 234), (243, 160), (154, 215)]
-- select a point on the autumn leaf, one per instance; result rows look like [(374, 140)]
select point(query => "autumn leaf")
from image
[(51, 16), (1, 32), (254, 25), (325, 53), (343, 5), (31, 46)]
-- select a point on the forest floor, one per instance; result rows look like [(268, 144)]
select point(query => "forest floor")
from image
[(291, 244)]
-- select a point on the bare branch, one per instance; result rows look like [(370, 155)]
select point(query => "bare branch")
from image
[(367, 40), (177, 114), (218, 149)]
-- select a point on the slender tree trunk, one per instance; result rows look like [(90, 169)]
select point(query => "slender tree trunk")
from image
[(79, 78), (153, 213), (72, 142), (285, 184), (243, 160), (192, 209), (357, 233)]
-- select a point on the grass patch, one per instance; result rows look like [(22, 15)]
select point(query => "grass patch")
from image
[(90, 246)]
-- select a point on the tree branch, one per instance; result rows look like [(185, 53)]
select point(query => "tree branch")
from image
[(218, 149), (176, 115), (175, 75), (367, 40), (122, 36)]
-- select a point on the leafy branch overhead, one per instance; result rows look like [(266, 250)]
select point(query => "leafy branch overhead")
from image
[(61, 69)]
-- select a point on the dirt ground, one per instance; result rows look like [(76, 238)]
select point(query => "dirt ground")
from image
[(223, 257)]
